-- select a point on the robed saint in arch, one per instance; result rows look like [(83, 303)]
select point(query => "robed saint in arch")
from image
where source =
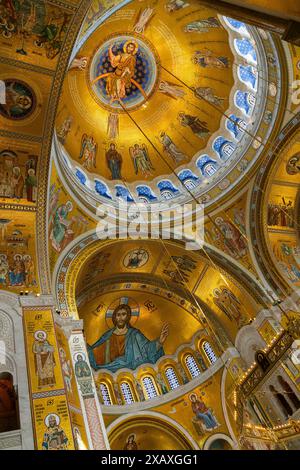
[(125, 347)]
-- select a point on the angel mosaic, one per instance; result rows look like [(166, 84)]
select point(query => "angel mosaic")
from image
[(207, 94), (171, 149), (229, 304), (171, 89), (202, 26), (79, 63), (198, 127), (175, 5), (141, 160), (61, 226), (206, 58), (65, 129), (88, 151), (143, 20)]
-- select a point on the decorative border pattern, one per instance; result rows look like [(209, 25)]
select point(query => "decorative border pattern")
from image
[(71, 262), (43, 177), (264, 259), (24, 65)]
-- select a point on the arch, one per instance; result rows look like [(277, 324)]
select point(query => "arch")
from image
[(247, 342), (127, 392), (88, 245), (9, 419), (192, 366), (105, 394), (153, 418), (6, 330), (17, 366), (209, 352), (266, 262), (149, 386), (171, 377), (219, 437)]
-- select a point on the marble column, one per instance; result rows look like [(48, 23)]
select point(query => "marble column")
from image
[(86, 388), (48, 397)]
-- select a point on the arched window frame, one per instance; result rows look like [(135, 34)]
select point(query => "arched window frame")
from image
[(155, 393), (128, 395), (105, 392), (194, 370), (209, 352), (173, 382)]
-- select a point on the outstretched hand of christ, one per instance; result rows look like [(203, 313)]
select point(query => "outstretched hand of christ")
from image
[(164, 333)]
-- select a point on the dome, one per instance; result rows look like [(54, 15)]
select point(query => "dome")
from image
[(165, 106)]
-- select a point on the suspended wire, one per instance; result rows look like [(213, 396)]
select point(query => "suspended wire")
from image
[(267, 146), (262, 77), (182, 184), (215, 335)]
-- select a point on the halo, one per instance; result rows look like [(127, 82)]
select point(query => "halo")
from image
[(39, 332), (29, 102), (79, 354), (216, 292), (69, 205), (132, 252), (131, 41), (48, 417), (192, 395), (135, 310), (219, 220)]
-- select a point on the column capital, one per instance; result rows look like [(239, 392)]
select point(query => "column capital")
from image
[(36, 301), (68, 325)]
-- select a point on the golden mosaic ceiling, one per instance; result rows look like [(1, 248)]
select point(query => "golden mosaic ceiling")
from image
[(163, 101), (164, 43)]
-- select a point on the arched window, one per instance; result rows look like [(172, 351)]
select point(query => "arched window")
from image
[(127, 393), (167, 195), (192, 366), (105, 394), (190, 184), (209, 352), (149, 387), (172, 378), (2, 92), (8, 404)]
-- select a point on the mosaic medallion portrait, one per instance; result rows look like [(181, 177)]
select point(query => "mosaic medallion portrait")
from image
[(123, 73), (20, 100)]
